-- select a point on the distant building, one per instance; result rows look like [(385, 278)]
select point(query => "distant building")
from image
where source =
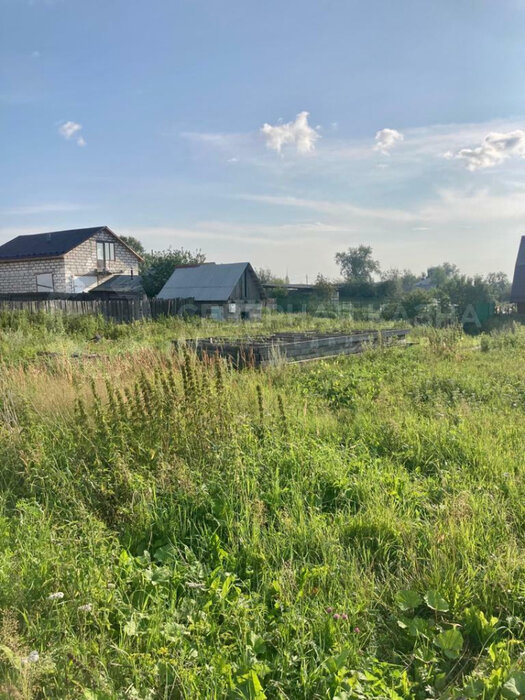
[(222, 292), (517, 293), (68, 262), (303, 289), (424, 283)]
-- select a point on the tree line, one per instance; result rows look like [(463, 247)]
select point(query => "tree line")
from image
[(442, 287), (361, 279)]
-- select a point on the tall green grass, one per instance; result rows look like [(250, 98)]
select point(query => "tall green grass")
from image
[(353, 528), (24, 335)]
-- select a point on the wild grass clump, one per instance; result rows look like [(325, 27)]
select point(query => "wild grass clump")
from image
[(171, 527)]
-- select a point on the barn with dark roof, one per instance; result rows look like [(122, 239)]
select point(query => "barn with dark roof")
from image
[(67, 262), (225, 291)]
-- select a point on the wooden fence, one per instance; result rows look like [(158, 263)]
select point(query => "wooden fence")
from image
[(116, 310)]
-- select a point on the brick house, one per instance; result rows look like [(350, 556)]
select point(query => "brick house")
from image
[(64, 261)]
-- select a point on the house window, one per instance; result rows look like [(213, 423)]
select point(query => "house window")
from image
[(105, 252), (44, 282), (109, 251)]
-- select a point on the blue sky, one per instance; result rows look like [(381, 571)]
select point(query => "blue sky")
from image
[(150, 118)]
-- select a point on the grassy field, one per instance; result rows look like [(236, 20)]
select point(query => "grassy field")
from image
[(352, 528), (25, 336)]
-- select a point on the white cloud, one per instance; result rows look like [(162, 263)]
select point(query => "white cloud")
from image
[(220, 140), (337, 210), (278, 234), (448, 207), (297, 133), (297, 248), (386, 139), (434, 203), (71, 130), (493, 150), (423, 148), (473, 208), (45, 208)]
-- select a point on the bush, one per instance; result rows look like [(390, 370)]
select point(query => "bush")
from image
[(157, 267)]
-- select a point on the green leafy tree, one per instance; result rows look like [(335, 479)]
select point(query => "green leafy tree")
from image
[(499, 285), (266, 276), (416, 303), (324, 289), (440, 274), (463, 290), (398, 280), (158, 266), (357, 264), (134, 244)]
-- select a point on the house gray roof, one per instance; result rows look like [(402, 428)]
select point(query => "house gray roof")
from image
[(121, 284), (50, 245), (206, 282), (518, 283)]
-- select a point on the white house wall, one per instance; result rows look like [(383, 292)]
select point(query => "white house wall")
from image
[(18, 276), (82, 260)]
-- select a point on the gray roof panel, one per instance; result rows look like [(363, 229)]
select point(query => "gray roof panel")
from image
[(46, 245), (121, 284), (207, 282), (52, 244)]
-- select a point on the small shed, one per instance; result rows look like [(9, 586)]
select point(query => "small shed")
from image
[(229, 291), (517, 293)]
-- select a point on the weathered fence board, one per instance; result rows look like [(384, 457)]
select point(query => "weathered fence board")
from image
[(116, 310)]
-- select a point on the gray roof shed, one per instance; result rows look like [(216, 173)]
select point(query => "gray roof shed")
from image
[(207, 282)]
